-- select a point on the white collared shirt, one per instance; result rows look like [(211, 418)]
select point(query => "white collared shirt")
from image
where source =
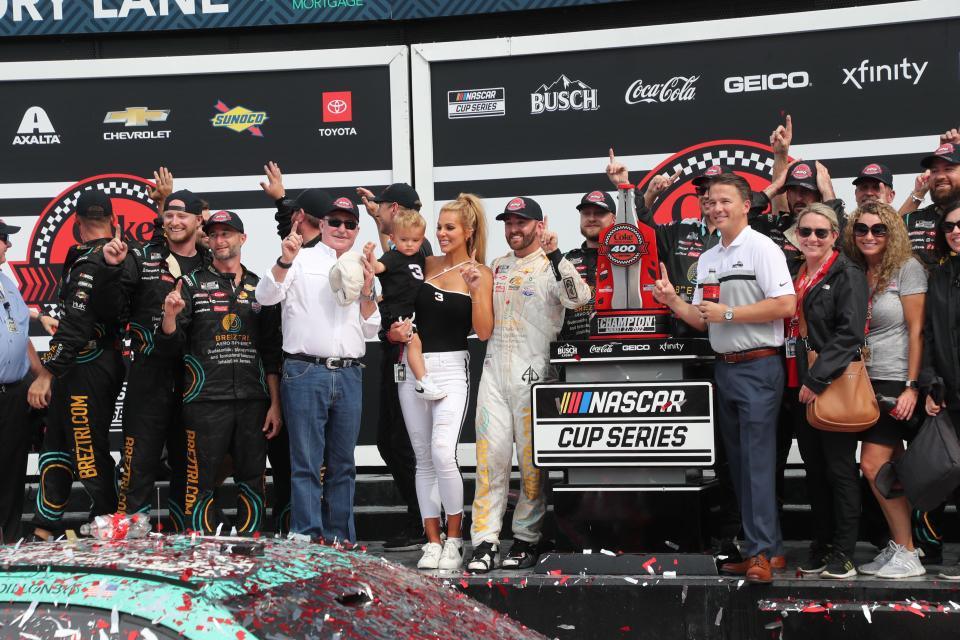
[(313, 322)]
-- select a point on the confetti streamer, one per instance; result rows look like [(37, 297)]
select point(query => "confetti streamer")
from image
[(716, 622), (866, 613)]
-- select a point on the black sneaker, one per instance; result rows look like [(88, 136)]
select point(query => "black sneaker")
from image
[(931, 555), (950, 573), (410, 538), (839, 567), (726, 552), (816, 560), (523, 555), (486, 556)]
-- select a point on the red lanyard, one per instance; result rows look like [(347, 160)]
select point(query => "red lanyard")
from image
[(802, 285)]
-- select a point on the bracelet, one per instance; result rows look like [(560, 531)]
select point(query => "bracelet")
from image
[(915, 198), (372, 296), (282, 264)]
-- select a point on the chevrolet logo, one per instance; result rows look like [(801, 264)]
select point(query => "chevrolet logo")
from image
[(136, 116)]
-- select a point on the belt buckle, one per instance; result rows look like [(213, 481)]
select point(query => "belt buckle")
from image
[(333, 363)]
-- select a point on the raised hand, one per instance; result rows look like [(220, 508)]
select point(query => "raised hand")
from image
[(366, 197), (616, 172), (115, 251), (824, 183), (657, 185), (173, 304), (290, 246), (548, 238), (782, 137), (163, 180), (921, 184), (951, 135), (273, 187), (470, 273), (663, 291)]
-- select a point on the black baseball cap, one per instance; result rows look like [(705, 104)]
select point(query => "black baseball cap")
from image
[(401, 193), (712, 171), (802, 174), (7, 229), (600, 199), (228, 218), (314, 202), (94, 199), (191, 202), (875, 171), (523, 207), (947, 151)]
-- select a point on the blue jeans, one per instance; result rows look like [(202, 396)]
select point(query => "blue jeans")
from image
[(321, 408)]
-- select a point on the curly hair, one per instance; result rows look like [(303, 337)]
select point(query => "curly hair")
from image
[(897, 250)]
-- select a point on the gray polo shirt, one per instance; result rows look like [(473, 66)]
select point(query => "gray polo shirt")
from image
[(750, 269)]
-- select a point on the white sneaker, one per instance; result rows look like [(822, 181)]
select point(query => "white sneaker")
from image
[(451, 558), (431, 556), (903, 564), (871, 568), (429, 390)]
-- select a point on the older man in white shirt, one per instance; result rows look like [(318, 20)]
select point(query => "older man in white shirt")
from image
[(323, 342)]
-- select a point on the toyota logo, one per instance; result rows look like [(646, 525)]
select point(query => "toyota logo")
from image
[(337, 107)]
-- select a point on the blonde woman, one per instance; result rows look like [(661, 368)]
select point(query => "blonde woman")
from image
[(877, 240)]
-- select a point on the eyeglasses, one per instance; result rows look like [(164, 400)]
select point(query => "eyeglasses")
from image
[(878, 230), (806, 232), (947, 225), (336, 222)]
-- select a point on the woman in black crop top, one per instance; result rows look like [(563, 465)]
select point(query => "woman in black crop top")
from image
[(457, 296)]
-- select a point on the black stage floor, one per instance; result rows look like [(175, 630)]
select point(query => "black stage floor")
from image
[(661, 606)]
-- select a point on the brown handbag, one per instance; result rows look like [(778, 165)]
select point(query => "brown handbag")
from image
[(849, 403)]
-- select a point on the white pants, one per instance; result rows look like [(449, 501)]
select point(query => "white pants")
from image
[(434, 428)]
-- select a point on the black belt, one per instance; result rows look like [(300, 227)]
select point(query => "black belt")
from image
[(329, 363), (9, 386)]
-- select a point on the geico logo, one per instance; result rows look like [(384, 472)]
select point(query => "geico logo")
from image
[(636, 347), (772, 81), (664, 400)]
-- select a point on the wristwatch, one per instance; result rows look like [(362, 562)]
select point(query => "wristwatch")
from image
[(282, 264), (910, 384), (372, 296), (728, 314)]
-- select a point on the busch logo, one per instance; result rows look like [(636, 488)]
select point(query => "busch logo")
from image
[(566, 351), (563, 95), (676, 89)]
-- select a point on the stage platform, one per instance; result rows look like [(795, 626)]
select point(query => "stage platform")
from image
[(660, 606)]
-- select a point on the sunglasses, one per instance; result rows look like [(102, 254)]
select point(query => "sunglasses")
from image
[(806, 232), (878, 230), (336, 222), (701, 191), (4, 237), (947, 225)]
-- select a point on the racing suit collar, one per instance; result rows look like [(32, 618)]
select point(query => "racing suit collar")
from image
[(530, 258)]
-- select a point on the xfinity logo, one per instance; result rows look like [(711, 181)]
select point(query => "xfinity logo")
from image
[(769, 82), (36, 128), (868, 74), (676, 89), (563, 94)]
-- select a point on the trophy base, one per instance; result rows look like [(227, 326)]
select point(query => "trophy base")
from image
[(632, 324)]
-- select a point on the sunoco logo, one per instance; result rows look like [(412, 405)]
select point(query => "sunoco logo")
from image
[(566, 351), (563, 94), (239, 119), (54, 232), (676, 89)]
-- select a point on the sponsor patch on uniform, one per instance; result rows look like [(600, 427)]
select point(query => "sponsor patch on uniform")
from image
[(167, 278), (249, 287), (219, 294), (220, 308), (208, 286), (528, 291)]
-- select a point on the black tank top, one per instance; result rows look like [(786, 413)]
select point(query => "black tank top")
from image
[(444, 319)]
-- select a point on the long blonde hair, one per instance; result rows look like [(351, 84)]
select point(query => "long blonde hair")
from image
[(897, 250), (469, 209)]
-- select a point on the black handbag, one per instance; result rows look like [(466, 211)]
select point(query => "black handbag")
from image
[(929, 470)]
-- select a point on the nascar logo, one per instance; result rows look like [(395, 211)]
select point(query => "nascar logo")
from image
[(603, 402)]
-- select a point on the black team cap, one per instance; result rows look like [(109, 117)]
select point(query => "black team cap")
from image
[(523, 207), (401, 193), (600, 199), (191, 202), (94, 203), (228, 218)]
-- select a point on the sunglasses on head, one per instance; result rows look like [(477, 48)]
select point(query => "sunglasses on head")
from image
[(806, 232), (336, 222), (878, 230), (947, 225)]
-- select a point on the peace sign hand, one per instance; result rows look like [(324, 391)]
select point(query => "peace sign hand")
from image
[(115, 251), (548, 238)]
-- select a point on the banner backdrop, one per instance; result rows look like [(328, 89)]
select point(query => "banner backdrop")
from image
[(335, 120), (534, 116)]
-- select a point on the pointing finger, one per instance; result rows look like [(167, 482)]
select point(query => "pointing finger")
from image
[(789, 124), (675, 176), (179, 286), (116, 233), (546, 224), (295, 227), (663, 272), (613, 158)]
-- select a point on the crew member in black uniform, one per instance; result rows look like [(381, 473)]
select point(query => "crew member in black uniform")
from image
[(151, 407), (83, 371), (231, 401), (598, 210), (944, 183)]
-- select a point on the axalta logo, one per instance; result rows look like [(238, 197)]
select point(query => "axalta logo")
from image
[(239, 119), (676, 89), (476, 103), (767, 82), (136, 117), (620, 402), (563, 94), (865, 73), (36, 128)]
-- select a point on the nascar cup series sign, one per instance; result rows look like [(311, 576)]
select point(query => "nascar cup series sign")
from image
[(667, 424)]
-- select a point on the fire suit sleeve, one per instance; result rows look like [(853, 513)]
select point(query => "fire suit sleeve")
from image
[(283, 215), (644, 213), (270, 339), (174, 343), (838, 208), (758, 203), (78, 318), (569, 287), (113, 295)]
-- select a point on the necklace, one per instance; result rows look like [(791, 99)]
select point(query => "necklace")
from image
[(462, 262)]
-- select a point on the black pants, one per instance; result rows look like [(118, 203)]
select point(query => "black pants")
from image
[(77, 439), (278, 452), (151, 421), (832, 479), (393, 442), (15, 434), (211, 431), (928, 528)]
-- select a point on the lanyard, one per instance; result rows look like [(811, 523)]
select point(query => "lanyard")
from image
[(803, 285)]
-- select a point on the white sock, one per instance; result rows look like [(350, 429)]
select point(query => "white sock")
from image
[(456, 541)]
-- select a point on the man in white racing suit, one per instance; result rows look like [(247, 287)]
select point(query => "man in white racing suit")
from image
[(532, 287)]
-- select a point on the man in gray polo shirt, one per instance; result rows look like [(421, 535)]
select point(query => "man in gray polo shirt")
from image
[(746, 331)]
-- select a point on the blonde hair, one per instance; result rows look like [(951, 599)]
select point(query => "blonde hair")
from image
[(409, 219), (897, 250), (821, 210), (469, 209)]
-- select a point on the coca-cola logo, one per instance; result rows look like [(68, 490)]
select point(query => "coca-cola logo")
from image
[(566, 351), (623, 245), (601, 348), (676, 89), (801, 172)]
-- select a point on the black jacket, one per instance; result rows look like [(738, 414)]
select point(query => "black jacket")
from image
[(922, 229), (576, 322), (940, 342), (836, 314)]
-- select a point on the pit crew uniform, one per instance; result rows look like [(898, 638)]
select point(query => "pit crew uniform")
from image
[(85, 360), (530, 295), (151, 406), (230, 344), (576, 322), (922, 229)]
